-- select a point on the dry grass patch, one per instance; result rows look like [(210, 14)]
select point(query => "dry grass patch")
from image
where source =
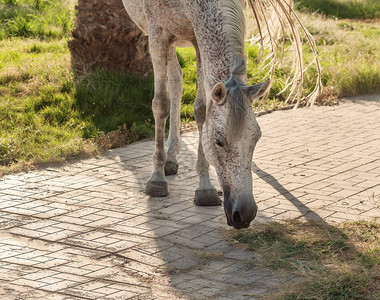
[(341, 262), (209, 255)]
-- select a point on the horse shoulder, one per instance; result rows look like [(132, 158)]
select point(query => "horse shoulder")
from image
[(136, 11), (170, 15)]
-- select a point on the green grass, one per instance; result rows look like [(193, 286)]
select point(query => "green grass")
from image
[(351, 9), (35, 18), (111, 100), (341, 262), (49, 114), (38, 118), (349, 53)]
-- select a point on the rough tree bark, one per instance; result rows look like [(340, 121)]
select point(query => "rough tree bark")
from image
[(104, 36)]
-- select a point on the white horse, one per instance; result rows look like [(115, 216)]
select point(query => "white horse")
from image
[(228, 130)]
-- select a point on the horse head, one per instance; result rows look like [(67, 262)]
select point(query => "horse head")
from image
[(230, 134)]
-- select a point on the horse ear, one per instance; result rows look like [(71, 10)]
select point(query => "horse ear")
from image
[(257, 90), (219, 93)]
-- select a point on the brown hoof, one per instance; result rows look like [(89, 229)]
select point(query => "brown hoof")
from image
[(171, 168), (207, 198), (157, 189)]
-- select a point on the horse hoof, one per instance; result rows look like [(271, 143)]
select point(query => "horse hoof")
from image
[(157, 189), (207, 198), (171, 168)]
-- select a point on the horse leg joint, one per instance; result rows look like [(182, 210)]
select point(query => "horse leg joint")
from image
[(161, 107)]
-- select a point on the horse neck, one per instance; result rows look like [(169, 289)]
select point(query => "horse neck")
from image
[(212, 39)]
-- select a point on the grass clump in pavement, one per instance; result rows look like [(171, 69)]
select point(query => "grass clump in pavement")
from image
[(341, 262)]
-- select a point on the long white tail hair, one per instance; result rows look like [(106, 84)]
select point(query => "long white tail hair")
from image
[(277, 22)]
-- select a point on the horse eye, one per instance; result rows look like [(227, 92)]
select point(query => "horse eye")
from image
[(219, 143)]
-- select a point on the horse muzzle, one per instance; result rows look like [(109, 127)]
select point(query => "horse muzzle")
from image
[(240, 211)]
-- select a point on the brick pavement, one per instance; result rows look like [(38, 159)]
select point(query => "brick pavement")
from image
[(85, 230)]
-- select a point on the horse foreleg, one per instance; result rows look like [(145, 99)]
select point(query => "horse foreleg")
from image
[(157, 185), (205, 194), (175, 89)]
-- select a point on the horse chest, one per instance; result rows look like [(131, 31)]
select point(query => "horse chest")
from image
[(174, 20)]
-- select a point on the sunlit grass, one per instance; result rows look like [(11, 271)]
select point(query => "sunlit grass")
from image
[(38, 118), (35, 18), (47, 114), (352, 9), (349, 52)]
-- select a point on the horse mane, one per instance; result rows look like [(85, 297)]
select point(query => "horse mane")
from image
[(276, 23), (234, 27)]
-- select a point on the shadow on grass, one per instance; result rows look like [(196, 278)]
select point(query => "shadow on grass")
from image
[(111, 101)]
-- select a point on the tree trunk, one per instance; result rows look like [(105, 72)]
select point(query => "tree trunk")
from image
[(105, 37)]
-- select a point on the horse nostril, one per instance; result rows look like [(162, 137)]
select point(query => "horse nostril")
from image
[(236, 219), (242, 213)]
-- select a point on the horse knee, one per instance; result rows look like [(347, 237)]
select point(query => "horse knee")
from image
[(161, 107)]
